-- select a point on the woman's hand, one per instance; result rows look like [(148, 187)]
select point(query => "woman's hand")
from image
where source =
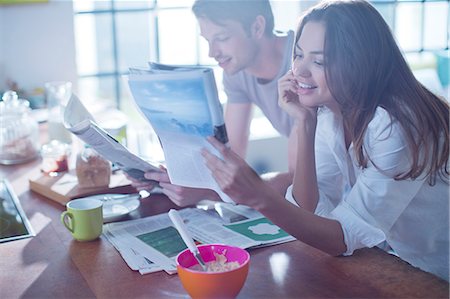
[(236, 178), (289, 99)]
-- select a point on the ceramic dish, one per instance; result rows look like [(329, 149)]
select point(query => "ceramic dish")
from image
[(117, 206)]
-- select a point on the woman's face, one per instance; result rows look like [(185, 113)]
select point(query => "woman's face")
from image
[(309, 69)]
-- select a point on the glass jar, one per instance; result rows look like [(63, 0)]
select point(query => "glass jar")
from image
[(19, 132), (92, 169), (55, 157), (58, 94)]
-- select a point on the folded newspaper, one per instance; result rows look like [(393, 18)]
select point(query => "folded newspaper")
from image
[(81, 123), (182, 106), (151, 244)]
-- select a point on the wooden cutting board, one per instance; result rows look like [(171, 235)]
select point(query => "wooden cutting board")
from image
[(64, 187)]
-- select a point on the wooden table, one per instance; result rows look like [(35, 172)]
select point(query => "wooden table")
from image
[(53, 265)]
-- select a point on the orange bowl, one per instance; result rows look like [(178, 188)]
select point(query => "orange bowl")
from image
[(226, 284)]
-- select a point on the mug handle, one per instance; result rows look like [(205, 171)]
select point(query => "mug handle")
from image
[(64, 221)]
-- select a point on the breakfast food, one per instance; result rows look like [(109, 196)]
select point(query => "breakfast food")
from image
[(219, 265), (18, 150), (92, 170)]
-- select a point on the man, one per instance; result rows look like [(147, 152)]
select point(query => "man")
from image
[(241, 39)]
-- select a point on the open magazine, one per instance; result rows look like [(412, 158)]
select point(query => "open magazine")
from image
[(151, 244), (182, 106), (81, 123)]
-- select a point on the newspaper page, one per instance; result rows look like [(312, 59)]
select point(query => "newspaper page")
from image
[(182, 106), (133, 259), (155, 243), (81, 123)]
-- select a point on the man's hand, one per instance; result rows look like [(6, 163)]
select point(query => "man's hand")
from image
[(181, 196), (141, 184)]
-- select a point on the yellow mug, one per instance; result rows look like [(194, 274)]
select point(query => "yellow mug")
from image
[(84, 218)]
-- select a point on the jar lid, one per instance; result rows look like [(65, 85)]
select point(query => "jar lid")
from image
[(11, 104), (10, 95)]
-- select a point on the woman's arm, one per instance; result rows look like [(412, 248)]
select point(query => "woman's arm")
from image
[(322, 233), (305, 190), (244, 186)]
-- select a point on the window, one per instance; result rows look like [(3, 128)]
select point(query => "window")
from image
[(421, 27), (112, 35)]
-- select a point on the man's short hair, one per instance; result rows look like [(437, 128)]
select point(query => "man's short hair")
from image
[(242, 11)]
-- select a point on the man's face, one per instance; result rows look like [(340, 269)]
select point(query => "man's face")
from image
[(229, 44)]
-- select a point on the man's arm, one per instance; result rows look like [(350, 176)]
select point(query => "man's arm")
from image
[(292, 149), (278, 181), (282, 180), (237, 120)]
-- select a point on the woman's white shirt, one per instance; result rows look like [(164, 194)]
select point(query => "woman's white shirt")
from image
[(373, 207)]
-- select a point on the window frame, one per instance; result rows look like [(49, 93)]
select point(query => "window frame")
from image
[(155, 8)]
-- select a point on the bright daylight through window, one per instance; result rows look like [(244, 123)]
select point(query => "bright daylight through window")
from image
[(112, 35)]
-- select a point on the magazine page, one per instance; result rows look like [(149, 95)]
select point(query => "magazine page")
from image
[(181, 101), (183, 108), (75, 112), (214, 105), (78, 121)]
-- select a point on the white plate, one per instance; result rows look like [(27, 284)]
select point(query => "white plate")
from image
[(117, 206)]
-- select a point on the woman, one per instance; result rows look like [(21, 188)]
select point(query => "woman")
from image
[(373, 145)]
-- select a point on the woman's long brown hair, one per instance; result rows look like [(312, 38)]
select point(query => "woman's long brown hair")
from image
[(365, 69)]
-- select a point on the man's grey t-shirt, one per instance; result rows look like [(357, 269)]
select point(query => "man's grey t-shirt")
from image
[(245, 88)]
